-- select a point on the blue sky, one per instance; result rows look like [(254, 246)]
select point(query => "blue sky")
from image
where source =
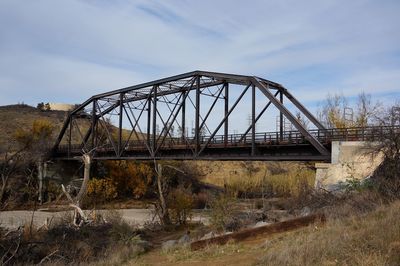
[(66, 51)]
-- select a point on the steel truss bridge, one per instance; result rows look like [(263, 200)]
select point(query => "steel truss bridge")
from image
[(125, 123)]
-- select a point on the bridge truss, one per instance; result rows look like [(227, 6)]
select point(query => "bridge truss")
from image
[(130, 123)]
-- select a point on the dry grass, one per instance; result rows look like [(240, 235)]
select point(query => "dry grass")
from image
[(359, 231), (13, 117), (210, 252), (290, 182), (369, 239)]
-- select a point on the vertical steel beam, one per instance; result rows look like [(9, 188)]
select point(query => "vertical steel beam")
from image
[(281, 117), (94, 124), (253, 120), (197, 116), (148, 121), (226, 124), (70, 136), (154, 139), (183, 122), (121, 105)]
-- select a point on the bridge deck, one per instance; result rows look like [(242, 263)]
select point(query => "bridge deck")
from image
[(290, 146)]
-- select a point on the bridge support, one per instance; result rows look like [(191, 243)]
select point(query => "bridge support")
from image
[(350, 160)]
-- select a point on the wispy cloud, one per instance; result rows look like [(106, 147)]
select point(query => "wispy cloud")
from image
[(65, 51)]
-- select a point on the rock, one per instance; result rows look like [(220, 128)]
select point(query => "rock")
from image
[(169, 245), (208, 235), (259, 224), (184, 240), (143, 245), (305, 211)]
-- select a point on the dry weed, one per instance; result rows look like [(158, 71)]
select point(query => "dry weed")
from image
[(368, 239)]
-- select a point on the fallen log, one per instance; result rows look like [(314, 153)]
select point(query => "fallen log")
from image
[(258, 231)]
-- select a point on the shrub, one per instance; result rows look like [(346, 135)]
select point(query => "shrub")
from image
[(36, 137), (43, 106), (180, 202), (200, 200), (222, 215), (102, 188), (131, 178)]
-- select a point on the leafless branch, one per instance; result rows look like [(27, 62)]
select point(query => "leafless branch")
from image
[(48, 256)]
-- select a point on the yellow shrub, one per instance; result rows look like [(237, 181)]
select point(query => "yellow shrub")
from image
[(39, 134), (131, 178), (102, 188)]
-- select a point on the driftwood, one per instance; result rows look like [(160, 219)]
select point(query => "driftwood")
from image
[(79, 216), (87, 160), (258, 231)]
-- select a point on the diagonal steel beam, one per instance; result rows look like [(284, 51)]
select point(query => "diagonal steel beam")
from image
[(174, 118), (211, 107), (304, 110), (79, 131), (223, 120), (264, 89), (191, 82), (134, 131), (257, 118), (169, 123), (108, 132), (183, 137)]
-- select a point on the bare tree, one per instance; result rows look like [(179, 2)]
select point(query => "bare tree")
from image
[(302, 120), (366, 110), (332, 113), (10, 163), (336, 111), (36, 143), (387, 176), (30, 148), (162, 209)]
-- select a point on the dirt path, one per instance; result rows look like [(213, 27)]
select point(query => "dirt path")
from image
[(14, 219)]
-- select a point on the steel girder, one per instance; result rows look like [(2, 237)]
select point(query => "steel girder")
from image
[(96, 134)]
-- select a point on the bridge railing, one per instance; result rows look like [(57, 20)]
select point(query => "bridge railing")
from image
[(325, 136)]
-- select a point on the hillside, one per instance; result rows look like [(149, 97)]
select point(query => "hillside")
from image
[(13, 117), (218, 173)]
